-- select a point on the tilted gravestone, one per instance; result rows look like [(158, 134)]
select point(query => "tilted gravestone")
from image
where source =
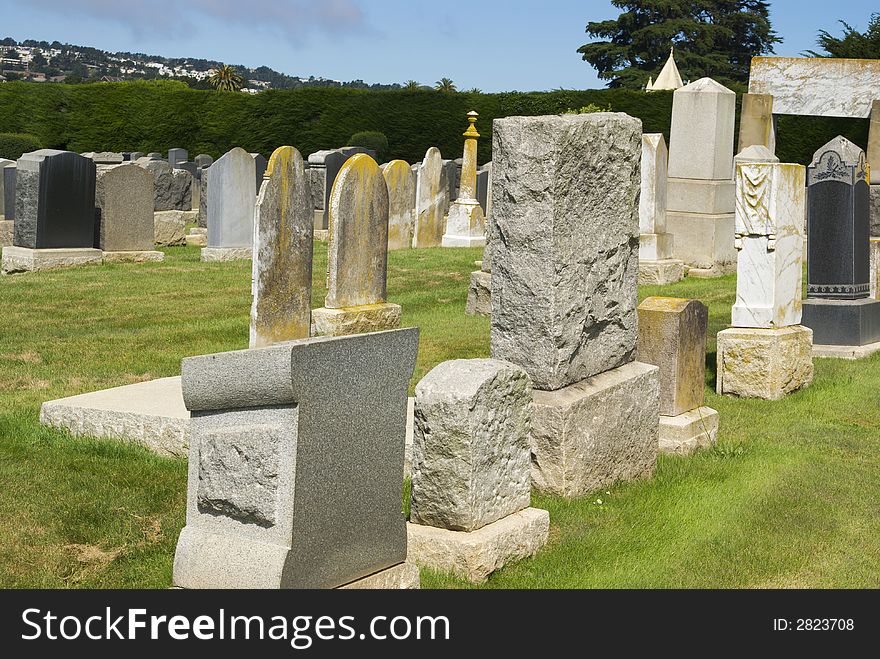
[(230, 207), (124, 224), (296, 464), (282, 266), (401, 204)]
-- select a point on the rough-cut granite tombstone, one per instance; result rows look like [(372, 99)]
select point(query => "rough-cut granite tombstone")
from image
[(105, 157), (282, 266), (173, 186), (656, 265), (700, 189), (432, 200), (357, 254), (124, 225), (672, 336), (230, 206), (203, 198), (3, 163), (296, 463), (471, 488), (401, 184), (838, 308), (564, 252), (54, 212)]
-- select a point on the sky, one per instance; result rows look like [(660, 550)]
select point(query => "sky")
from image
[(493, 45)]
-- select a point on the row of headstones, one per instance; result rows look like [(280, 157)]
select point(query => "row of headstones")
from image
[(563, 405)]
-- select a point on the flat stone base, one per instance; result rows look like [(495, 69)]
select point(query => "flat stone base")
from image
[(134, 257), (764, 363), (355, 320), (23, 259), (685, 433), (318, 217), (465, 225), (704, 242), (404, 576), (479, 301), (843, 322), (661, 273), (846, 352), (214, 254), (596, 432), (6, 231), (477, 554), (151, 414), (321, 235), (197, 237), (463, 241)]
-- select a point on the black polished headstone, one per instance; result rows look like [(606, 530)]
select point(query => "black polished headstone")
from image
[(54, 200), (838, 219), (8, 174), (260, 164)]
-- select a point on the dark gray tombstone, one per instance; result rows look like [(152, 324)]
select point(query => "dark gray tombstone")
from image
[(54, 200), (203, 160), (134, 155), (3, 194), (483, 188), (9, 176), (190, 167), (260, 164), (155, 156), (325, 166), (176, 156), (837, 308)]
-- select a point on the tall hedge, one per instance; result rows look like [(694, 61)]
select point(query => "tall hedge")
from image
[(155, 116)]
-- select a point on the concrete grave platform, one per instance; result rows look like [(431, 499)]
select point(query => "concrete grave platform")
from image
[(685, 433), (476, 554), (151, 256), (148, 413), (24, 259), (846, 352)]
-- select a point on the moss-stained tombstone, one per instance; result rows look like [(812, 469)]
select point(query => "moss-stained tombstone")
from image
[(358, 254), (282, 266), (401, 184), (432, 200)]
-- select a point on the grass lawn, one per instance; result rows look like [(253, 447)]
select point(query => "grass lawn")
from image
[(789, 498)]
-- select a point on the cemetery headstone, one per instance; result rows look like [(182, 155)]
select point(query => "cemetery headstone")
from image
[(296, 465), (401, 184), (432, 200), (282, 264), (479, 300), (4, 163), (471, 490), (757, 125), (230, 207), (357, 254), (656, 265), (466, 223), (173, 186), (325, 166), (260, 165), (106, 158), (176, 156), (124, 228), (564, 274), (7, 202), (203, 160)]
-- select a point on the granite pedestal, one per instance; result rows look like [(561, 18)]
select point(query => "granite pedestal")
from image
[(685, 433), (355, 320), (24, 259), (215, 254), (843, 322)]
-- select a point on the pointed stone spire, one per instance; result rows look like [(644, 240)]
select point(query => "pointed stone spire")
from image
[(650, 86), (669, 77)]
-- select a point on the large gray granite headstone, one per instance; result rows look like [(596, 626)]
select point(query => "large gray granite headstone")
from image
[(565, 244), (173, 186), (296, 462), (231, 198), (54, 200), (124, 196)]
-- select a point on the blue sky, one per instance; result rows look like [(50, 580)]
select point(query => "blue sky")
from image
[(495, 45)]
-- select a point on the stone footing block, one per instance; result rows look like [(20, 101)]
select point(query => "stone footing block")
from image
[(843, 322), (355, 320), (477, 554), (214, 254), (134, 257), (846, 352), (6, 230), (596, 432), (704, 242), (404, 576), (685, 433), (196, 240), (660, 273), (764, 363), (479, 301), (23, 259)]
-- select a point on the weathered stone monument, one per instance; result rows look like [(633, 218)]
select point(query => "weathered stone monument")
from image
[(656, 265), (296, 464), (282, 265), (324, 167), (672, 336), (432, 200), (465, 222), (173, 186), (757, 125), (700, 189), (401, 184), (202, 220), (767, 353), (105, 157), (54, 212), (230, 207), (124, 225), (203, 161), (564, 260), (177, 156), (844, 320), (471, 491), (357, 254), (260, 165)]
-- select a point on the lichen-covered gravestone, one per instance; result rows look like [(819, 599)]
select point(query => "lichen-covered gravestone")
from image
[(358, 254), (296, 465), (471, 488), (125, 228), (401, 184), (432, 200), (564, 251), (282, 266), (231, 196), (54, 212)]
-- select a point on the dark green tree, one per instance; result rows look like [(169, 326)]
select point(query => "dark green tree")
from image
[(853, 44), (716, 38)]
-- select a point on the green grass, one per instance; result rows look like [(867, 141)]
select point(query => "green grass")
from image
[(789, 498)]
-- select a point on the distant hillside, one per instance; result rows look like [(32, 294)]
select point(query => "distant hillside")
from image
[(41, 61)]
